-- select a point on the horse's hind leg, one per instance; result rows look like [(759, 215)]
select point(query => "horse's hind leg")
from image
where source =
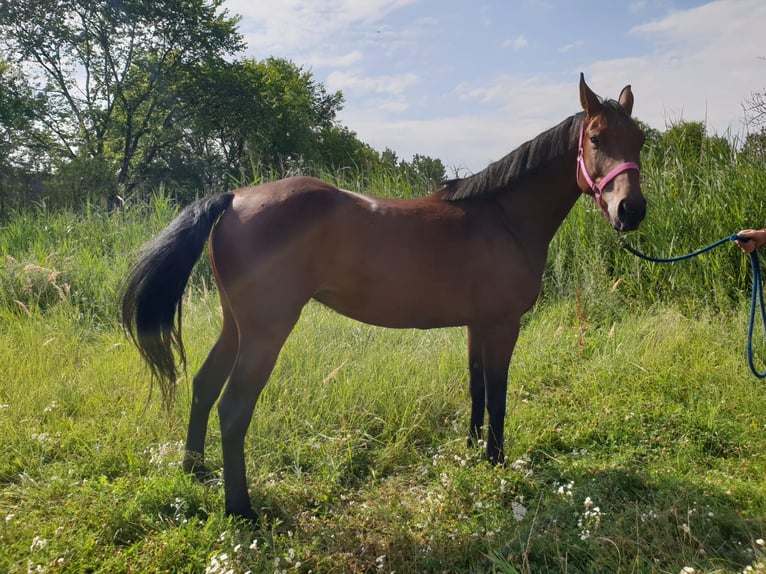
[(208, 383), (260, 343)]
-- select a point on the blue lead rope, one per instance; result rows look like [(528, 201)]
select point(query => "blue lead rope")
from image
[(756, 298)]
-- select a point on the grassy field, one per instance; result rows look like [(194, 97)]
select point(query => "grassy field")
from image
[(636, 435), (636, 446)]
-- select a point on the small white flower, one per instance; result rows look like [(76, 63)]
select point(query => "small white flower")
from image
[(760, 542), (38, 544), (519, 511)]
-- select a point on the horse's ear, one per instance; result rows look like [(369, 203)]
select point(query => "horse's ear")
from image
[(590, 102), (626, 99)]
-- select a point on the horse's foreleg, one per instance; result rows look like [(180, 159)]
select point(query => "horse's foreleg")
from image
[(496, 346), (477, 388), (208, 383)]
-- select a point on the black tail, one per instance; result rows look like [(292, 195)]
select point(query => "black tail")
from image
[(151, 300)]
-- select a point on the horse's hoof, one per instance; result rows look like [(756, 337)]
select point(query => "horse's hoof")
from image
[(200, 472), (246, 515)]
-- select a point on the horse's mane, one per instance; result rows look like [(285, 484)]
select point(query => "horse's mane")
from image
[(524, 160)]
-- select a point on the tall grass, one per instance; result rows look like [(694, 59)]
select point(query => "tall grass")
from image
[(692, 202), (638, 447), (53, 256), (635, 432)]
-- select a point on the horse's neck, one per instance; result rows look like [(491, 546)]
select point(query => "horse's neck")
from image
[(536, 209)]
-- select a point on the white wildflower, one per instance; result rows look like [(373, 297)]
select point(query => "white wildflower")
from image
[(38, 544), (519, 511)]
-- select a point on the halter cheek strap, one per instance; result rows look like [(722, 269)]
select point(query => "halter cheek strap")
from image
[(597, 187)]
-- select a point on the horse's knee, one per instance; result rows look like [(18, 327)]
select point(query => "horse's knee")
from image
[(234, 417)]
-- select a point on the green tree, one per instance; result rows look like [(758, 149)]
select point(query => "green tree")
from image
[(107, 70), (340, 148), (430, 170), (267, 113), (18, 108)]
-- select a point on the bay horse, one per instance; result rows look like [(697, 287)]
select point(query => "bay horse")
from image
[(472, 254)]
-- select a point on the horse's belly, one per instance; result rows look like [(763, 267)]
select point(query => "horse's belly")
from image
[(396, 308)]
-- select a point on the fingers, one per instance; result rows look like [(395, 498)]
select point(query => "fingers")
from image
[(746, 247), (755, 237)]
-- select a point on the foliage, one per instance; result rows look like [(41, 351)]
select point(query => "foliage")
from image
[(106, 70), (18, 107), (250, 112), (699, 189)]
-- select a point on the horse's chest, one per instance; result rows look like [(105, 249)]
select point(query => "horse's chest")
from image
[(508, 290)]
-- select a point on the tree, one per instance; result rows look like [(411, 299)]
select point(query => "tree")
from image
[(18, 108), (428, 169), (266, 113), (340, 148), (107, 69), (755, 110)]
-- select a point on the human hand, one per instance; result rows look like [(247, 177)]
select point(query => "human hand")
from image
[(756, 238)]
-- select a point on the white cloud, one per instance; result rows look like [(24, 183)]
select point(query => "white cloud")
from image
[(536, 96), (696, 64), (357, 84), (706, 61), (341, 61), (296, 26), (569, 47), (701, 65), (517, 43)]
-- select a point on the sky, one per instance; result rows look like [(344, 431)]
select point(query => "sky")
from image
[(467, 82)]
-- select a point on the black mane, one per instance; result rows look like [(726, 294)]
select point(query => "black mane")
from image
[(524, 160), (528, 157)]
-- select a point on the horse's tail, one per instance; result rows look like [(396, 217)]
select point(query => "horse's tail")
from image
[(151, 299)]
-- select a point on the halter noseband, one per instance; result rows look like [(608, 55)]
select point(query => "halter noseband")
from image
[(597, 187)]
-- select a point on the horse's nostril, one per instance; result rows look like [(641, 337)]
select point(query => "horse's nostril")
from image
[(622, 211), (631, 214)]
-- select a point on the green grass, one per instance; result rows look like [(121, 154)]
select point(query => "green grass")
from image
[(357, 457), (635, 433)]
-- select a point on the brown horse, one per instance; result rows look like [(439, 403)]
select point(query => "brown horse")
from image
[(471, 254)]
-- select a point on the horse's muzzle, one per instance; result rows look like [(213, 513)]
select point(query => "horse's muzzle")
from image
[(630, 213)]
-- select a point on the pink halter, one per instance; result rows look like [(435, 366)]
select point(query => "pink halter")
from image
[(597, 187)]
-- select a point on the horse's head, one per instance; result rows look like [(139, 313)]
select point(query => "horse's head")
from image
[(609, 157)]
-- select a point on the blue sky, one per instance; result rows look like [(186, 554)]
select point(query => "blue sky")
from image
[(467, 82)]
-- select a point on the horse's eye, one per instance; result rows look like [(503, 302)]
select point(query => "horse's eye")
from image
[(594, 141)]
